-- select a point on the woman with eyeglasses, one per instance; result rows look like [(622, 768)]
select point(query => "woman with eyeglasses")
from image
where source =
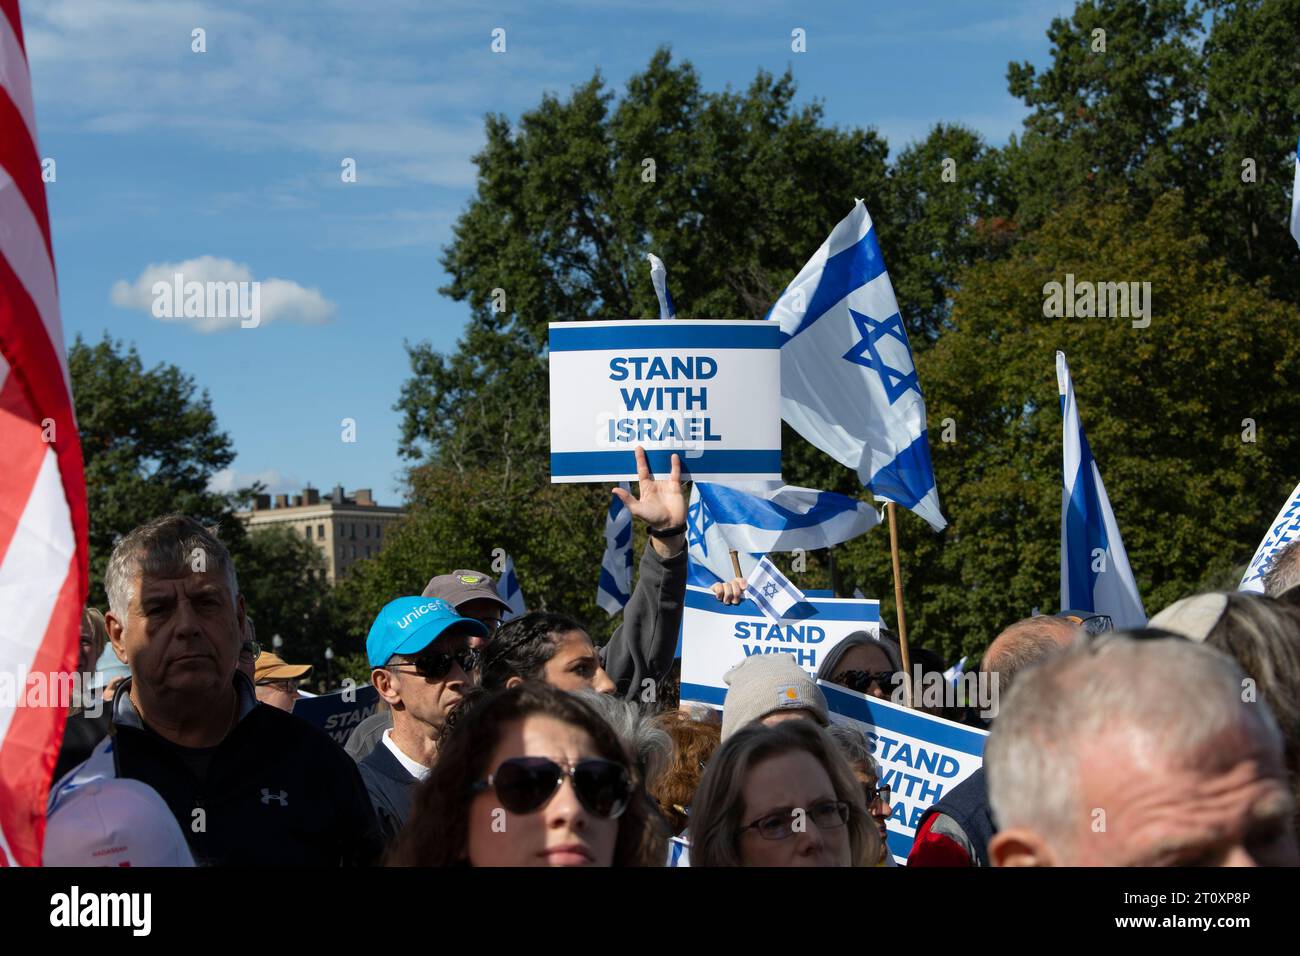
[(781, 796), (857, 753), (531, 776)]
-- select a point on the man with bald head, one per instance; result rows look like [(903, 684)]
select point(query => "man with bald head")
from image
[(956, 830), (1127, 752)]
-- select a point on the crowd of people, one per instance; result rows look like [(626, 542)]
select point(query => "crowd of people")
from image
[(524, 743)]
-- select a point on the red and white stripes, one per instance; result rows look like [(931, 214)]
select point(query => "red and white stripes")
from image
[(43, 524)]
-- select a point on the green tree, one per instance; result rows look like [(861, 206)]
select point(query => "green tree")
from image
[(282, 577), (151, 446), (1165, 410)]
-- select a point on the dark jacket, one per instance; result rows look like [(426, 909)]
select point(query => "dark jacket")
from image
[(643, 646), (80, 735), (967, 805), (276, 791), (391, 788)]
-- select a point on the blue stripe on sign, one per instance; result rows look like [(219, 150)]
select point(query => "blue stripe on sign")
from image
[(825, 610), (900, 844), (860, 707), (702, 692), (739, 462), (581, 337)]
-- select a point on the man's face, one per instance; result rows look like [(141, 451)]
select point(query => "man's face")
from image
[(278, 693), (1233, 809), (430, 701), (483, 610), (182, 634)]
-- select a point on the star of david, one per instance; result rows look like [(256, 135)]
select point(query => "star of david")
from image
[(865, 353), (698, 522), (770, 589)]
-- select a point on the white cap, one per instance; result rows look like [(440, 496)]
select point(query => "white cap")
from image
[(114, 822)]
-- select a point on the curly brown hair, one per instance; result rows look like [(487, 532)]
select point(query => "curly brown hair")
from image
[(693, 744), (437, 833)]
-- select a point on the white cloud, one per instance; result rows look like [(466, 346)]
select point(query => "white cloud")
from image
[(262, 301), (228, 480)]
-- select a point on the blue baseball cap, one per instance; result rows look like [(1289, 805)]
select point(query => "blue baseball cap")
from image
[(408, 625)]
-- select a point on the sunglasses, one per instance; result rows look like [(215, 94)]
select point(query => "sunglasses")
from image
[(861, 681), (435, 665), (779, 825), (526, 784), (881, 794)]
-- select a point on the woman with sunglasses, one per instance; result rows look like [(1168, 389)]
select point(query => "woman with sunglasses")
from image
[(857, 753), (530, 776), (781, 796)]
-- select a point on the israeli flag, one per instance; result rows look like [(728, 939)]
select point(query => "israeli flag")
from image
[(1284, 529), (615, 587), (508, 589), (771, 590), (1095, 575), (659, 278), (762, 517), (848, 383), (1295, 197), (953, 673), (708, 551)]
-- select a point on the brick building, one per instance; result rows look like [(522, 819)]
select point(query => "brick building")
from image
[(346, 529)]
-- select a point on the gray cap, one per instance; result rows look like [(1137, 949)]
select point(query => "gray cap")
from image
[(460, 587), (765, 683)]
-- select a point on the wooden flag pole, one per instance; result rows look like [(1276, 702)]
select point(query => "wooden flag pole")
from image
[(735, 564), (898, 604)]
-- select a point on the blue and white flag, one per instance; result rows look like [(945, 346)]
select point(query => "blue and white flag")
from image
[(1095, 575), (848, 383), (659, 279), (1284, 529), (953, 673), (508, 589), (615, 587), (762, 517), (771, 590), (1295, 197)]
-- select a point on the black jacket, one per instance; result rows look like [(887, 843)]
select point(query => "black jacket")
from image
[(391, 787), (277, 791)]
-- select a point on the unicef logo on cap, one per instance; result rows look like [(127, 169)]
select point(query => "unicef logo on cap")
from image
[(435, 606)]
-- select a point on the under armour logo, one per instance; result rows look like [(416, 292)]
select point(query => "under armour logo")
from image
[(282, 798)]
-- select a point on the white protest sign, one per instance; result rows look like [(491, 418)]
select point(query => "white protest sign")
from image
[(921, 757), (717, 636), (1285, 529), (709, 391)]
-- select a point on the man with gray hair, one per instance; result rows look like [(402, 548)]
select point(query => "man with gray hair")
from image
[(956, 830), (1283, 571), (248, 784), (1128, 752)]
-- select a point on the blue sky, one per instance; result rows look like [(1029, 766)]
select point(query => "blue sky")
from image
[(165, 156)]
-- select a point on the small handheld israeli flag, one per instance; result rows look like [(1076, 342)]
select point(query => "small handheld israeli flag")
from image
[(1295, 197), (1095, 575), (508, 588), (615, 587), (1284, 529), (954, 672), (848, 382), (659, 278), (771, 590)]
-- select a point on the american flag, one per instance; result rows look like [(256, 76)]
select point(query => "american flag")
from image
[(43, 563)]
